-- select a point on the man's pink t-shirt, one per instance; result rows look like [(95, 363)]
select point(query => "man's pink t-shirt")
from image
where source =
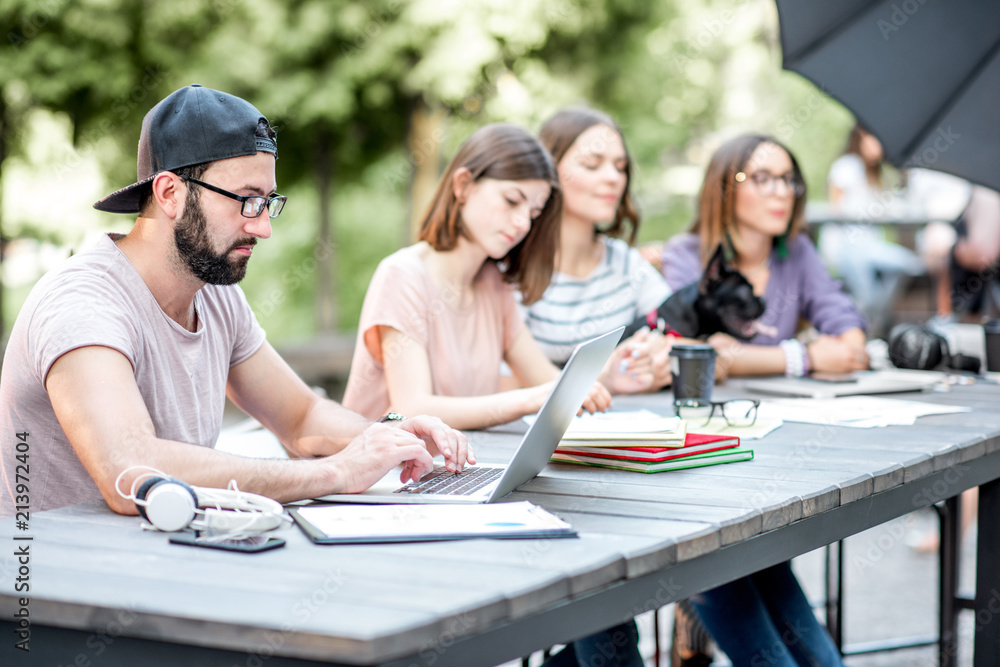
[(97, 298)]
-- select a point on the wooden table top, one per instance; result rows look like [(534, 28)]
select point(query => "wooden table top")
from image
[(372, 604)]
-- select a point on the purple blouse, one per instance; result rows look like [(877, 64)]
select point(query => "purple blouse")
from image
[(799, 287)]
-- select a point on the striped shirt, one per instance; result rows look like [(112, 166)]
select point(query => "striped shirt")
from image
[(621, 288)]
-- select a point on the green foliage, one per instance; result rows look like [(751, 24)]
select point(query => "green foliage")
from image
[(340, 80), (280, 282)]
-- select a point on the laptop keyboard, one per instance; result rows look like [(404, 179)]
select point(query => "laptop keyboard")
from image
[(443, 481)]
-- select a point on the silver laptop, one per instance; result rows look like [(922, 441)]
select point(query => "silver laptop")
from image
[(488, 482), (858, 383)]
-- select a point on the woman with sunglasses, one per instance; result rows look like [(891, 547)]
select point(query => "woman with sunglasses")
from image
[(753, 201)]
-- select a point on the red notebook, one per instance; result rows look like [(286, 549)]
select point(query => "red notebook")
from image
[(694, 443)]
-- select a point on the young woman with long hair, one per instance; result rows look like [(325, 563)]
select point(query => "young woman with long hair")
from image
[(600, 282), (440, 315), (753, 202)]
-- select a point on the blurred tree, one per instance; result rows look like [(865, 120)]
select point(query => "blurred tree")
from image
[(101, 62), (371, 96), (329, 74), (360, 80), (4, 141)]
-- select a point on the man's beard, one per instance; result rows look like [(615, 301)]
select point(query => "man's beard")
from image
[(194, 247)]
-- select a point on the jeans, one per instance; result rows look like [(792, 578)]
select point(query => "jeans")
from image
[(764, 620), (614, 647)]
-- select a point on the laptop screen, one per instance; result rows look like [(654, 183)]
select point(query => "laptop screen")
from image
[(572, 387)]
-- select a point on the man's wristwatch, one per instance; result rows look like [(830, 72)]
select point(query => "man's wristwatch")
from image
[(391, 417)]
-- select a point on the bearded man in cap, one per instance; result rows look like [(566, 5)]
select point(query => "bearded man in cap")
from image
[(124, 356)]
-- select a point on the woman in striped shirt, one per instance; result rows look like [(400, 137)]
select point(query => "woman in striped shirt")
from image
[(600, 281)]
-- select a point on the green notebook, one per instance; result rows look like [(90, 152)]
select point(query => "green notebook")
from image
[(694, 461)]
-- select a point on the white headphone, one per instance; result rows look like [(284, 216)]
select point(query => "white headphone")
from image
[(170, 505)]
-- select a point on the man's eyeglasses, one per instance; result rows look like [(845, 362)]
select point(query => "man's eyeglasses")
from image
[(766, 182), (737, 412), (253, 205)]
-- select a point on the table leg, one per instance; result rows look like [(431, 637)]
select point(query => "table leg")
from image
[(948, 554), (835, 593), (987, 636)]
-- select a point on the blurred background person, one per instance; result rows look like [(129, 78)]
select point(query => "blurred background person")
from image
[(964, 260), (872, 268)]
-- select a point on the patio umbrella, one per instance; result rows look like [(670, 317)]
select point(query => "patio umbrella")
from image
[(923, 77)]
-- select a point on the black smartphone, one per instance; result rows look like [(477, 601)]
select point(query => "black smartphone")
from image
[(253, 544)]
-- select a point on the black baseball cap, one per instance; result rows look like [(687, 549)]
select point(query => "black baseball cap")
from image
[(190, 126)]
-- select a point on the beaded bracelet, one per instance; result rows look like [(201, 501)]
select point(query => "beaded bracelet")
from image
[(796, 357)]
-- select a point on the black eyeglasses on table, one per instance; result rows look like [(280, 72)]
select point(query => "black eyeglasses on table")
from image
[(736, 412), (253, 205)]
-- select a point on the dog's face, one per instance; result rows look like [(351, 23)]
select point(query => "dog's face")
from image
[(726, 302)]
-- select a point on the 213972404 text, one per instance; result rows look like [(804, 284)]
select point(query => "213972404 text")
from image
[(22, 541)]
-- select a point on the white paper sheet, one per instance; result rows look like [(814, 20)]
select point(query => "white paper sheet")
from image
[(854, 411)]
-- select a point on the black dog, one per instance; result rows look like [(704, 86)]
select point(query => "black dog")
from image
[(721, 301)]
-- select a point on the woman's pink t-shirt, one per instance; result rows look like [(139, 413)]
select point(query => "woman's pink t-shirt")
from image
[(464, 345)]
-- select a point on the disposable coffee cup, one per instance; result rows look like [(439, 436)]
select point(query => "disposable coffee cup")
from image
[(693, 369), (992, 331)]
